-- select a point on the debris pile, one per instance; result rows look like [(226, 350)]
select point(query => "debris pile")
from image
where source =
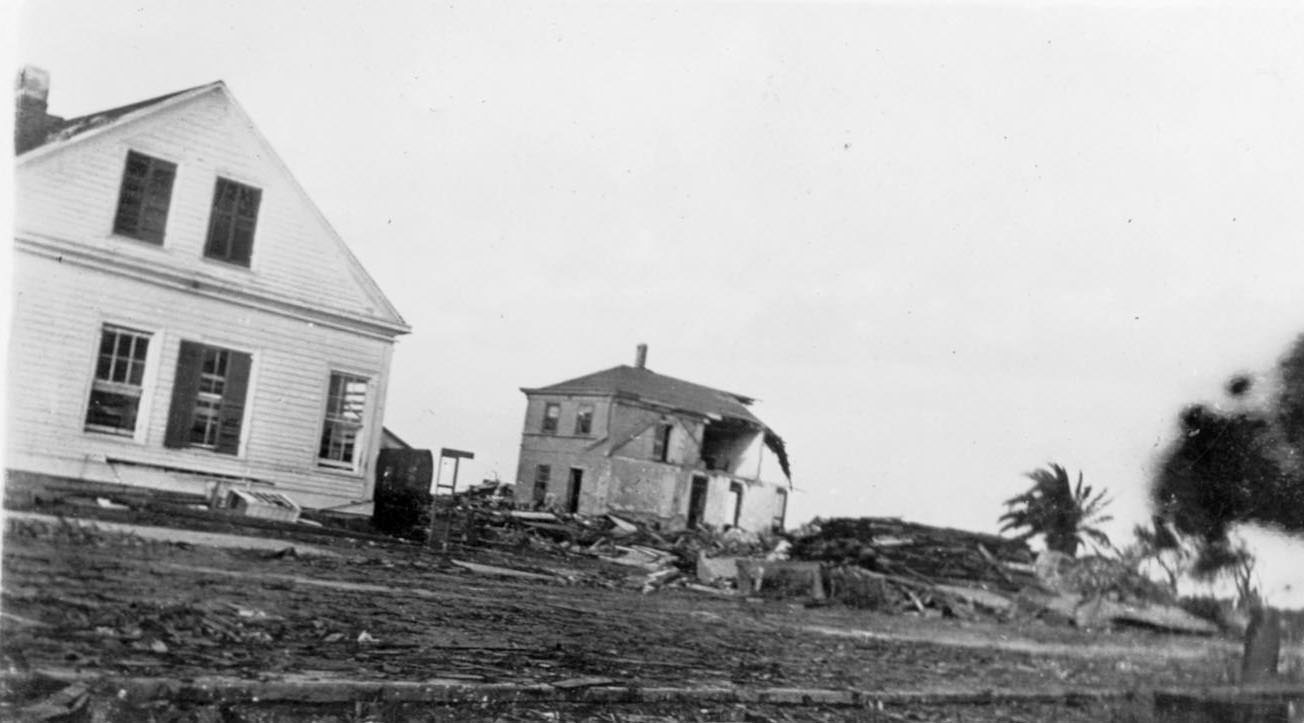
[(659, 558), (895, 566), (925, 554), (891, 565)]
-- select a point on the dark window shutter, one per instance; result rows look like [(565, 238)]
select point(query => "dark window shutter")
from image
[(233, 221), (184, 389), (154, 215), (242, 239), (144, 197), (233, 403)]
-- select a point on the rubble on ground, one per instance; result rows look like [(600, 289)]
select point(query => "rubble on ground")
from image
[(883, 564)]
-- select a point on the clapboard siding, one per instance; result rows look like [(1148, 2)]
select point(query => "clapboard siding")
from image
[(73, 194), (55, 338), (302, 309)]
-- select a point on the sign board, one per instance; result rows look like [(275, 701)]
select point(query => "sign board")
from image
[(456, 454)]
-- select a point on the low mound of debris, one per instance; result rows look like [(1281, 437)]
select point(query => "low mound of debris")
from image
[(910, 550)]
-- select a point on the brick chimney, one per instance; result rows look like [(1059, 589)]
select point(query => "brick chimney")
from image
[(640, 357), (31, 96)]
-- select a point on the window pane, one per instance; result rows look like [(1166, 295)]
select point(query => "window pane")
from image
[(226, 192), (152, 220), (113, 410), (219, 237), (115, 392), (346, 403), (124, 346), (242, 242), (137, 374), (160, 183), (103, 369), (248, 202)]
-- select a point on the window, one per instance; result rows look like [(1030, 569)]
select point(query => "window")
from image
[(345, 403), (116, 389), (661, 443), (231, 227), (584, 419), (208, 398), (144, 198), (207, 419), (781, 506), (541, 474), (551, 415)]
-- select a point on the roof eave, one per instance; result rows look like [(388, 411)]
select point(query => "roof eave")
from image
[(46, 149)]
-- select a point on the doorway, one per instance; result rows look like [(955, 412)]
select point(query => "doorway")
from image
[(697, 502), (736, 501), (573, 494)]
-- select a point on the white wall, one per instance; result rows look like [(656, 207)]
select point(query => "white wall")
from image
[(302, 308), (70, 191), (59, 309)]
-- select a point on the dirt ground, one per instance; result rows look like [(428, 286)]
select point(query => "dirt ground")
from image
[(117, 604)]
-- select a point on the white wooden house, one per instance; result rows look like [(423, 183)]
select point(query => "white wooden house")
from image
[(182, 313)]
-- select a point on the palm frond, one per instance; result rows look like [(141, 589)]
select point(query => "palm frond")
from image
[(1062, 512)]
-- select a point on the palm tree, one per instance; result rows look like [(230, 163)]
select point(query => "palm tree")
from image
[(1064, 515)]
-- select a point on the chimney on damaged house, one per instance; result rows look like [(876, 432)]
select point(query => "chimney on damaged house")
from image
[(31, 97), (640, 357)]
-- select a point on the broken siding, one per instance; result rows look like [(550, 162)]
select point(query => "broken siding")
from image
[(633, 433), (59, 311), (641, 488), (71, 193)]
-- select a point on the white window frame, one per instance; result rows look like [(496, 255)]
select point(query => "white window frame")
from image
[(555, 426), (330, 417), (96, 384)]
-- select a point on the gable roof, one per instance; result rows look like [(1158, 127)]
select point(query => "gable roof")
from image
[(647, 385), (60, 133), (60, 129)]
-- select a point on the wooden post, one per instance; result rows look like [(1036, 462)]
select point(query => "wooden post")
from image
[(1262, 646), (448, 529), (457, 456), (434, 493)]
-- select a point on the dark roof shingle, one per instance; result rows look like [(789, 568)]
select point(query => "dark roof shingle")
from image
[(650, 386), (59, 129)]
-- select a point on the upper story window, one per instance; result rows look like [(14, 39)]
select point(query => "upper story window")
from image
[(551, 416), (208, 398), (144, 198), (661, 443), (231, 226), (584, 419), (119, 376), (345, 404)]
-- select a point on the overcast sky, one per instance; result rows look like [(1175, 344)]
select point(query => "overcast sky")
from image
[(942, 244)]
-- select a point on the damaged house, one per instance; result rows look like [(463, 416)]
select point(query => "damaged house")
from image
[(629, 441), (183, 313)]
